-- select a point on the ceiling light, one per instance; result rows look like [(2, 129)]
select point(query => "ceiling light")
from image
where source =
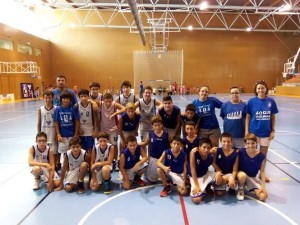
[(285, 7), (203, 5), (248, 29), (190, 27)]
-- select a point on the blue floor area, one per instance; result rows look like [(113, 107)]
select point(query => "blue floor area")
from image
[(144, 206)]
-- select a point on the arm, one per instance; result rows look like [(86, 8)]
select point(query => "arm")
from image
[(263, 176), (142, 161), (120, 110), (59, 138), (197, 188), (120, 127), (273, 122), (64, 170), (247, 123), (219, 180), (178, 124), (95, 123), (51, 171), (146, 142), (31, 161), (39, 121), (231, 182), (122, 169), (160, 164), (77, 124)]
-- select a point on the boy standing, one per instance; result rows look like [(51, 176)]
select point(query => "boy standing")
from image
[(190, 115), (126, 96)]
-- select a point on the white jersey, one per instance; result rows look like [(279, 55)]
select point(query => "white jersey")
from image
[(39, 156), (124, 100), (147, 112), (75, 162), (98, 98), (86, 119), (108, 125), (47, 123), (102, 156)]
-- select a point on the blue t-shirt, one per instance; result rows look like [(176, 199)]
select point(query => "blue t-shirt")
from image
[(131, 159), (261, 111), (66, 117), (234, 118), (128, 124), (226, 163), (158, 144), (57, 93), (170, 121), (176, 164), (250, 166), (188, 146), (202, 165), (206, 111)]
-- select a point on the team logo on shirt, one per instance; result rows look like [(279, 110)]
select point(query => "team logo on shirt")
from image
[(48, 122), (198, 161), (169, 156)]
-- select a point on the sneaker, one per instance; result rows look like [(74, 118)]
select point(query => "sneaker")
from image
[(240, 196), (80, 187), (165, 191), (107, 188), (37, 182), (137, 179)]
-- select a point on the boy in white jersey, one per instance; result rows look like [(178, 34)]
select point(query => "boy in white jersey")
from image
[(95, 97), (126, 96), (87, 121), (101, 163), (41, 162), (75, 167), (46, 124)]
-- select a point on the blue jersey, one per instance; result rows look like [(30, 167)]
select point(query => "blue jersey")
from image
[(170, 121), (234, 118), (206, 110), (261, 111), (158, 144), (66, 118), (201, 165), (195, 118), (249, 165), (176, 164), (128, 124), (131, 159), (226, 163), (57, 93), (188, 146)]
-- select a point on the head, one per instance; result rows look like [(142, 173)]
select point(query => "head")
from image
[(83, 95), (176, 143), (126, 87), (131, 143), (94, 88), (190, 128), (75, 145), (61, 81), (168, 103), (157, 123), (250, 141), (108, 99), (190, 111), (130, 109), (204, 147), (204, 92), (235, 94), (261, 89), (48, 96), (147, 94), (65, 99), (226, 141), (102, 139), (41, 140)]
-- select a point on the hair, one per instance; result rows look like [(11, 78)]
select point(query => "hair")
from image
[(83, 92), (156, 119), (74, 141), (131, 138), (61, 76), (176, 138), (48, 93), (148, 88), (204, 86), (225, 135), (94, 84), (251, 137), (130, 105), (190, 122), (167, 98), (108, 96), (66, 95), (205, 141), (262, 82), (190, 107), (102, 135), (234, 87), (41, 134), (126, 83)]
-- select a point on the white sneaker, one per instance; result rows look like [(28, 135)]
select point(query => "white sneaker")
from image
[(240, 195), (36, 185)]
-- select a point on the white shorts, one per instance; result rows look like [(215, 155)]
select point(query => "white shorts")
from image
[(54, 146), (263, 141), (45, 174), (144, 134), (113, 137), (129, 133), (72, 177), (130, 172), (203, 182), (171, 132), (238, 142), (63, 146), (151, 173), (99, 176), (224, 187), (252, 183), (176, 178)]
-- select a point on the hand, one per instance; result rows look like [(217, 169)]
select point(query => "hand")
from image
[(60, 187), (94, 134), (167, 169), (213, 150), (272, 135), (50, 186), (196, 190), (219, 179), (59, 138), (232, 184)]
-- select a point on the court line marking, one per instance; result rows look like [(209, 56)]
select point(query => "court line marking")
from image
[(18, 117), (273, 209), (287, 109), (185, 217), (285, 159)]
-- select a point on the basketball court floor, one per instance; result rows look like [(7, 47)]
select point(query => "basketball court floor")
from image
[(143, 205)]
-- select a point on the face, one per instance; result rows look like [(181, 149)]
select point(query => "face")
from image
[(250, 144), (102, 142), (203, 93), (130, 113), (126, 90), (190, 114), (41, 142), (168, 105), (190, 129), (60, 82), (226, 143), (76, 149), (48, 99), (176, 145), (204, 149), (108, 102), (147, 94), (235, 94), (157, 126), (65, 102), (261, 90), (94, 91), (132, 146), (84, 98)]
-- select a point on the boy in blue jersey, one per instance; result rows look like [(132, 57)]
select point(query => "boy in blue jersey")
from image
[(226, 160), (172, 168), (251, 160), (158, 141), (130, 165), (190, 115), (200, 176)]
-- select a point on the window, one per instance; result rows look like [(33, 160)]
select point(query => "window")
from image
[(6, 44), (37, 52), (24, 49)]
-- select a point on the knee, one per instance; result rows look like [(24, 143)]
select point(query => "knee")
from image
[(196, 200), (36, 171), (69, 188)]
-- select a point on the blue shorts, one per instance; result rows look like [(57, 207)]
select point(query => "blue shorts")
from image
[(87, 142)]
